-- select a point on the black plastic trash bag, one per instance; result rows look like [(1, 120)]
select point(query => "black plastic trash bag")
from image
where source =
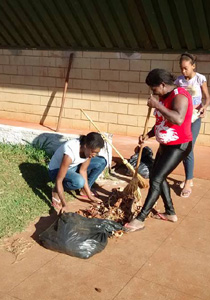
[(78, 236), (146, 163)]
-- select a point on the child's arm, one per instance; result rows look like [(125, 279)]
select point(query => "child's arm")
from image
[(83, 172), (205, 92), (60, 177)]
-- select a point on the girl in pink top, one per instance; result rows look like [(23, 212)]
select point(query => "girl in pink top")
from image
[(195, 84)]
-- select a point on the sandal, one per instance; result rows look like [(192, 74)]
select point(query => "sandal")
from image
[(182, 184), (85, 196), (56, 203), (131, 228), (185, 193), (157, 214), (165, 217), (81, 197), (93, 193)]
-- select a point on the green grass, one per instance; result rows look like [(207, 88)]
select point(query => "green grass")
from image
[(25, 190), (106, 173)]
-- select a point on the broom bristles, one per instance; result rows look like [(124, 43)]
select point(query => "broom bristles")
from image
[(132, 186), (141, 181), (132, 189)]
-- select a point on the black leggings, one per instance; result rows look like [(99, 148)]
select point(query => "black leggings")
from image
[(166, 160)]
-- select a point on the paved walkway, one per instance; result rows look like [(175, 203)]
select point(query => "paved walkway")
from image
[(164, 261)]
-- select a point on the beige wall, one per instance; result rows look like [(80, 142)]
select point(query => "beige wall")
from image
[(108, 86)]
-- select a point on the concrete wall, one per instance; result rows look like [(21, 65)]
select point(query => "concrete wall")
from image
[(108, 86)]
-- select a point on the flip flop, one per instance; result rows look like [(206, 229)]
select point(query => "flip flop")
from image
[(164, 217), (56, 203), (80, 197), (182, 184), (129, 228), (93, 194), (157, 215), (185, 193)]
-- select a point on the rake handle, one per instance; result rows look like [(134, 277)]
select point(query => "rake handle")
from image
[(125, 162), (64, 92), (104, 137), (143, 136)]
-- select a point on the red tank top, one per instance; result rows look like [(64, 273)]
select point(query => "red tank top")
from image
[(169, 133)]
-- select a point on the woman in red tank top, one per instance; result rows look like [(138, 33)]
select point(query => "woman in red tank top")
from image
[(173, 112)]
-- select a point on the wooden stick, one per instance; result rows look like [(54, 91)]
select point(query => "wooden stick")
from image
[(125, 162), (64, 91), (143, 136), (104, 137)]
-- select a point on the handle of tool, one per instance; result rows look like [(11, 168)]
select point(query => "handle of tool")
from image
[(143, 136), (103, 135), (64, 92)]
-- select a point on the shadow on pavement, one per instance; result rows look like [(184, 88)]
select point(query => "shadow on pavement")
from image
[(43, 224), (174, 184)]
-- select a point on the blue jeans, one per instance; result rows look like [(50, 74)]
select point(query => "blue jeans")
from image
[(189, 161), (74, 181)]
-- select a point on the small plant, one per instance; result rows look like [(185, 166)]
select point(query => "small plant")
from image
[(106, 173), (38, 150), (37, 154)]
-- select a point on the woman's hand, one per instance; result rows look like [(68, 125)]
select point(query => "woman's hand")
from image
[(202, 112), (152, 102), (143, 139)]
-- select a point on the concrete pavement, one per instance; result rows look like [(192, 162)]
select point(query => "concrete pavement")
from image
[(164, 261)]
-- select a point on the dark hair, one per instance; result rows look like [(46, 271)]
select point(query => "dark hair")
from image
[(92, 140), (158, 76), (188, 57)]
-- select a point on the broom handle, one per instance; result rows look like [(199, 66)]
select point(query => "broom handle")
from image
[(143, 136), (125, 162), (64, 92), (104, 137)]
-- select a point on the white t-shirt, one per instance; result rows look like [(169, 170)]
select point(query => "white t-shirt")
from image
[(193, 86), (70, 148)]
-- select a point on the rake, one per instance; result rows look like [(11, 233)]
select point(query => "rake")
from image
[(141, 182)]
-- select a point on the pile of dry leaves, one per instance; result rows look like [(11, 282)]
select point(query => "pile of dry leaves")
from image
[(119, 207)]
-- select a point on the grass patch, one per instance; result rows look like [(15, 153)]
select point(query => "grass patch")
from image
[(25, 191), (106, 173)]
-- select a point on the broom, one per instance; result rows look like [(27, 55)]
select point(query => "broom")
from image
[(64, 92), (132, 189), (141, 181)]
